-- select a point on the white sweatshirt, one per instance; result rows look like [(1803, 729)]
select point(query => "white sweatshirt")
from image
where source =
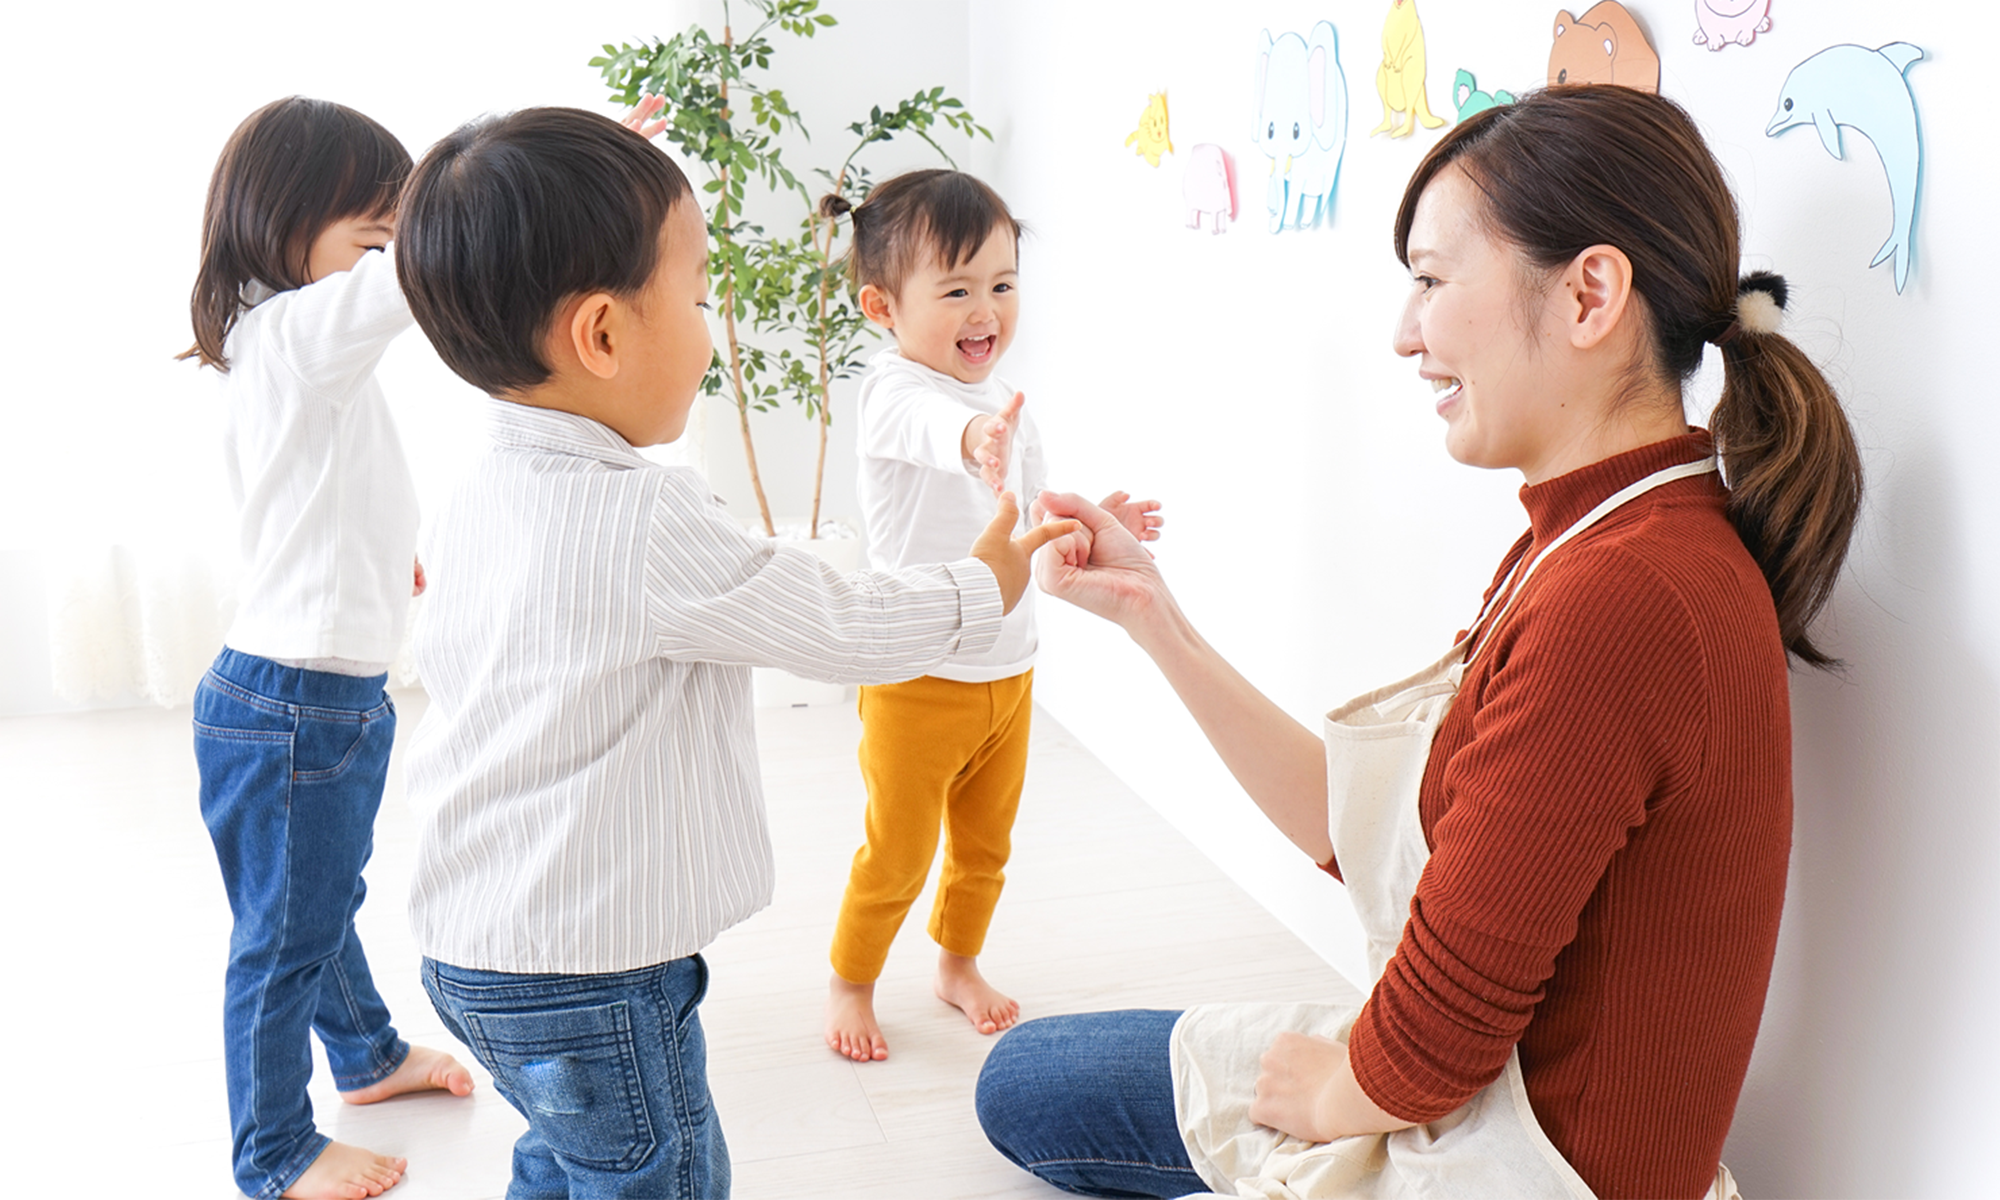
[(924, 503), (327, 512)]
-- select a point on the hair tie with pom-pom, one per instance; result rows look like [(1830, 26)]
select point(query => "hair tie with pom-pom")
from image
[(1760, 302)]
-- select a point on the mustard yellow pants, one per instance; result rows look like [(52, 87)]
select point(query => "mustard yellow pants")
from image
[(935, 753)]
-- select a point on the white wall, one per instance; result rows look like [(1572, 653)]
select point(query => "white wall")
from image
[(1323, 540)]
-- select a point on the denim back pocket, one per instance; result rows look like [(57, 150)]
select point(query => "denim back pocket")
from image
[(576, 1072)]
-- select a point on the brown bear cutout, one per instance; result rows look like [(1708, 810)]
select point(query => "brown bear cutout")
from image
[(1604, 45)]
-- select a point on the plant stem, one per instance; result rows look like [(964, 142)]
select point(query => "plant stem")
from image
[(729, 324)]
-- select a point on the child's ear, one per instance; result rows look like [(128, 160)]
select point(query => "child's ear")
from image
[(877, 306), (594, 326)]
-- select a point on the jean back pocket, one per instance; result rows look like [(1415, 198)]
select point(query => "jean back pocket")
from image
[(576, 1073)]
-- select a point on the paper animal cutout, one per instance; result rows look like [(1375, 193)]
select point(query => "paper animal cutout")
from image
[(1209, 186), (1301, 122), (1870, 95), (1400, 78), (1604, 45), (1152, 132), (1468, 99), (1720, 22)]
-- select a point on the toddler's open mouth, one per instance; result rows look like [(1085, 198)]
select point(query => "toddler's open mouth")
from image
[(978, 350)]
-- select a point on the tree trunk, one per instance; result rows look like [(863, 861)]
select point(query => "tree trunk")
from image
[(729, 328)]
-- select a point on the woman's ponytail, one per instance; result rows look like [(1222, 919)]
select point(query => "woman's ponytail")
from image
[(1788, 454)]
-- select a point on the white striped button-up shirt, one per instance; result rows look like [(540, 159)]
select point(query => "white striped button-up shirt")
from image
[(587, 772)]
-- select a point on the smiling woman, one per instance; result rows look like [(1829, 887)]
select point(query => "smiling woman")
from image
[(1566, 840)]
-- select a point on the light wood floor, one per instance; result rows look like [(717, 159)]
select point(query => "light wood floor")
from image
[(116, 932)]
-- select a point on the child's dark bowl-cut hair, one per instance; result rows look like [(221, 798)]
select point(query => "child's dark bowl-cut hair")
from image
[(509, 217), (291, 169), (919, 215)]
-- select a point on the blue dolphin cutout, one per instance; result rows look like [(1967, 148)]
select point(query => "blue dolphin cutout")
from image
[(1866, 91)]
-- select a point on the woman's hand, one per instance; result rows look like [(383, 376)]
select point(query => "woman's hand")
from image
[(419, 583), (1306, 1088), (1101, 569)]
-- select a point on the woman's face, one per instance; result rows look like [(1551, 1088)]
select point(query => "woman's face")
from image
[(1480, 328)]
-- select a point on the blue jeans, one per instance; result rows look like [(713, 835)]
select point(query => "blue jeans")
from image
[(611, 1072), (1086, 1102), (292, 767)]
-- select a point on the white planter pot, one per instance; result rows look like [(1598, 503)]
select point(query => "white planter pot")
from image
[(774, 688)]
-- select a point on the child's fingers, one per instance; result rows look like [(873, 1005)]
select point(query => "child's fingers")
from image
[(1013, 408), (1041, 535)]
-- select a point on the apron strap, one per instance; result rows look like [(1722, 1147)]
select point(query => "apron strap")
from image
[(1482, 629)]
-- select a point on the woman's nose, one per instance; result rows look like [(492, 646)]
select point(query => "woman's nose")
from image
[(1408, 338)]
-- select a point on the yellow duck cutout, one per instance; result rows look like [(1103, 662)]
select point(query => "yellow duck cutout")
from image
[(1151, 135), (1400, 79)]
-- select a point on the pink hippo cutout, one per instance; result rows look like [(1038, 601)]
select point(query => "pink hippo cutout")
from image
[(1209, 186), (1720, 22)]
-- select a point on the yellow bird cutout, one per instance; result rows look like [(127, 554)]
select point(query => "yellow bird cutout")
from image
[(1151, 135)]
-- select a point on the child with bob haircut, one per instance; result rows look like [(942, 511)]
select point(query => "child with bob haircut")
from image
[(935, 261), (593, 813), (294, 305)]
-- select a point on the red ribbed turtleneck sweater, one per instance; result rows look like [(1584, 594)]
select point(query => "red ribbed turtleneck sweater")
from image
[(1608, 805)]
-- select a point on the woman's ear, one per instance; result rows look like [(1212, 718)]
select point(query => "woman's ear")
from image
[(1595, 294), (594, 327), (877, 306)]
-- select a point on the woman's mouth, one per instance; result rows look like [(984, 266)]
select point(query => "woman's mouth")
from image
[(1446, 390), (978, 350)]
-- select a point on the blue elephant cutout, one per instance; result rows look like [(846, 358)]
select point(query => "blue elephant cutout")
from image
[(1301, 124)]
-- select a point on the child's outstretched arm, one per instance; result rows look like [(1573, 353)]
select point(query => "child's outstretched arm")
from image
[(1141, 518), (1010, 558), (989, 442)]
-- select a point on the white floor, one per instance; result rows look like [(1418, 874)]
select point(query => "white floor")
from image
[(116, 931)]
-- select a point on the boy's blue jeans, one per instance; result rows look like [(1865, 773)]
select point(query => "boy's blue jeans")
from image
[(611, 1072), (1086, 1102), (292, 767)]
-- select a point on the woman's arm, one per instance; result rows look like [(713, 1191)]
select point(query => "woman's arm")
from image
[(1280, 762)]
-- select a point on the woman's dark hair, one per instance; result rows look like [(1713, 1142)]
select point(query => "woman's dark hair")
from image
[(509, 217), (917, 215), (292, 168), (1572, 167)]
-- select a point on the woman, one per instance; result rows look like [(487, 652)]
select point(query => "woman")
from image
[(1567, 839)]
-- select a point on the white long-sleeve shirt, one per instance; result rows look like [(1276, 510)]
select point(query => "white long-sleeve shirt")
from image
[(924, 503), (587, 772), (327, 512)]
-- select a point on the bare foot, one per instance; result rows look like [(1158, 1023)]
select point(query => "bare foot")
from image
[(344, 1172), (960, 984), (423, 1070), (850, 1021)]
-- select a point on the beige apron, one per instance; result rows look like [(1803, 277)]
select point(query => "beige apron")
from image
[(1490, 1148)]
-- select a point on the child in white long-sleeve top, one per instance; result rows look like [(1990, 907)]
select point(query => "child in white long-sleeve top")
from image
[(934, 259), (295, 304)]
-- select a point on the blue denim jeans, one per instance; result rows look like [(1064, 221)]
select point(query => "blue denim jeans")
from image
[(611, 1072), (292, 767), (1086, 1102)]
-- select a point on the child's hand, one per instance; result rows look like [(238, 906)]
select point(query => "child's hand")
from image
[(418, 586), (989, 441), (1140, 517), (637, 119), (1010, 558)]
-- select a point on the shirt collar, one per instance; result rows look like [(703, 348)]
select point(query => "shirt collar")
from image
[(525, 427), (1555, 504), (950, 384)]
